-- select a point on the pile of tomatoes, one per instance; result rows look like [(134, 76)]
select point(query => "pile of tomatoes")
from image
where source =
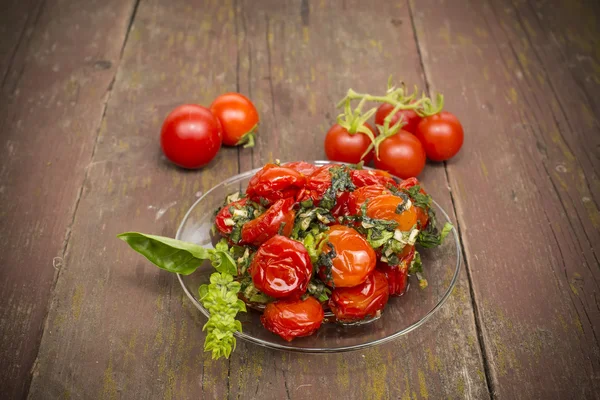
[(313, 239), (192, 135)]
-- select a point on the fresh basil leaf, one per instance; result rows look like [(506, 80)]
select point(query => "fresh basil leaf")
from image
[(377, 238)]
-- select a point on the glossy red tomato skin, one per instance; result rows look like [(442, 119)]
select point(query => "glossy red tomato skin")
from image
[(442, 136), (281, 268), (237, 116), (224, 214), (341, 146), (273, 183), (303, 167), (402, 155), (362, 301), (267, 225), (354, 261), (410, 117), (397, 275), (366, 177), (385, 206), (293, 318), (362, 194), (422, 215), (190, 136)]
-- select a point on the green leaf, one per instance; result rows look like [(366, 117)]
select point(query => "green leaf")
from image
[(446, 230), (377, 238), (169, 254)]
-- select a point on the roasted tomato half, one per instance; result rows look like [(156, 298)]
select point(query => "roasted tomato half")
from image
[(365, 177), (293, 318), (362, 301), (281, 268), (279, 217), (316, 184), (354, 258), (385, 206), (223, 220), (362, 194), (303, 167), (397, 275), (422, 214), (273, 183)]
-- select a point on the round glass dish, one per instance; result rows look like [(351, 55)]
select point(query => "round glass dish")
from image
[(400, 316)]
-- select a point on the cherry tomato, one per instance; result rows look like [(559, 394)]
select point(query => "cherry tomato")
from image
[(385, 207), (303, 167), (397, 275), (442, 136), (402, 155), (422, 215), (409, 117), (293, 318), (225, 214), (190, 136), (259, 230), (408, 183), (342, 146), (342, 205), (362, 194), (365, 177), (354, 260), (281, 268), (273, 182), (358, 302), (317, 184), (238, 118)]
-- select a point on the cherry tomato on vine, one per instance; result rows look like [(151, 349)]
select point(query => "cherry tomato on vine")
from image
[(281, 268), (342, 146), (442, 136), (358, 302), (362, 194), (365, 177), (409, 117), (224, 215), (397, 275), (238, 118), (293, 318), (279, 217), (303, 167), (385, 207), (354, 258), (402, 155), (274, 182), (190, 136)]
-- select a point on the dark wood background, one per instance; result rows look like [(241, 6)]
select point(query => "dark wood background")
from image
[(86, 85)]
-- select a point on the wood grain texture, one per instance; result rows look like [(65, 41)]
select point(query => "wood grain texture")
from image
[(52, 100), (524, 193)]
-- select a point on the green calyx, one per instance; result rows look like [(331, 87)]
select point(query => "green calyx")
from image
[(249, 138)]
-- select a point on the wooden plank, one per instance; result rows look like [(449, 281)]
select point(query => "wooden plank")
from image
[(297, 59), (119, 327), (513, 187), (51, 104)]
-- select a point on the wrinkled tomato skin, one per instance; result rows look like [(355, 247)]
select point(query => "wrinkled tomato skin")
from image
[(342, 205), (316, 184), (384, 207), (362, 194), (362, 301), (341, 146), (303, 167), (273, 183), (410, 117), (224, 214), (267, 225), (281, 268), (397, 275), (366, 177), (355, 259), (293, 318), (408, 183)]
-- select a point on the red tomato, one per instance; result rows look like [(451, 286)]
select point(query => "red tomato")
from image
[(342, 205), (365, 177), (402, 155), (317, 184), (225, 214), (362, 194), (261, 229), (354, 260), (281, 268), (293, 318), (303, 167), (442, 136), (342, 146), (190, 136), (409, 117), (385, 206), (408, 183), (358, 302), (238, 117), (273, 182), (397, 275)]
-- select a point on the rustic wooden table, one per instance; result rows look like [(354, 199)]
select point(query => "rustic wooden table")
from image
[(85, 86)]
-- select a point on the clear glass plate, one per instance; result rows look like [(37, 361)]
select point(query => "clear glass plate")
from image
[(403, 314)]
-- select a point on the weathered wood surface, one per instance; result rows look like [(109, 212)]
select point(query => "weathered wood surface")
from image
[(56, 69), (522, 76)]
